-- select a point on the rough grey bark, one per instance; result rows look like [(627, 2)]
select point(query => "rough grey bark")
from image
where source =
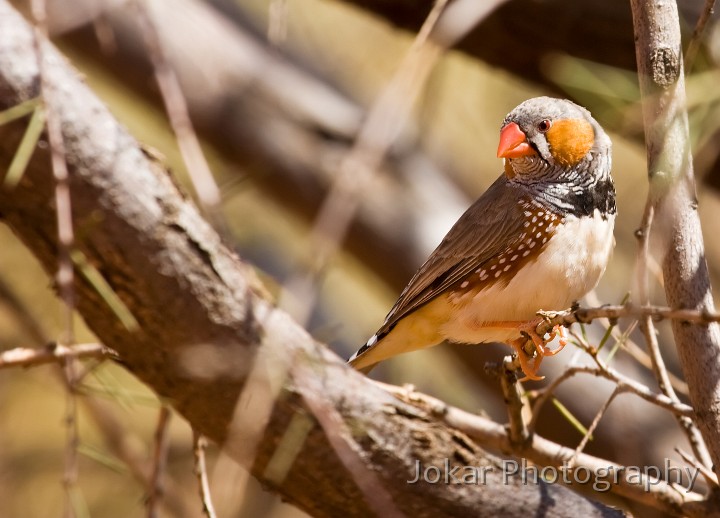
[(204, 322), (672, 189)]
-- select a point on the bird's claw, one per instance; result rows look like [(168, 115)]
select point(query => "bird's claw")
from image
[(529, 330), (524, 358)]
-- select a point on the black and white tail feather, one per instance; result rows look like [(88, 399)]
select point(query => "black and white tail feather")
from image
[(372, 342)]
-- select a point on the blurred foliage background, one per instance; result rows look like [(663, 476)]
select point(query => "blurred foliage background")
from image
[(274, 120)]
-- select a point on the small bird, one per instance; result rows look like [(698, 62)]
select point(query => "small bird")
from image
[(538, 239)]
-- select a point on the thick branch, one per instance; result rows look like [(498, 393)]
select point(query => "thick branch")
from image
[(204, 320), (672, 191)]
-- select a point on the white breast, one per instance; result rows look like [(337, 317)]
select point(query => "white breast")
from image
[(569, 266)]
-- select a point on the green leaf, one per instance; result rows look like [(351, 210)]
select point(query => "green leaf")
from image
[(570, 417)]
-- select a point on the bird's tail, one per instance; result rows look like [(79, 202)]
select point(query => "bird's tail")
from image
[(362, 359)]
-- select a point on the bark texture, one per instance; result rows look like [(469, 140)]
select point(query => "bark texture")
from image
[(672, 184), (207, 332)]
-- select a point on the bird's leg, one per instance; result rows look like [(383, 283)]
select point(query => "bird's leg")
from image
[(540, 342)]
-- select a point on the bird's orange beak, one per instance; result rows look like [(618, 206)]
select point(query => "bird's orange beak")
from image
[(513, 143)]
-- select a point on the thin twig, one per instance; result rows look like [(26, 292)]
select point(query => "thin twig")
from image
[(65, 276), (591, 429), (120, 441), (708, 475), (634, 350), (201, 472), (71, 470), (66, 237), (612, 312), (686, 423), (643, 358), (51, 353), (178, 114), (623, 383), (627, 384), (542, 396), (155, 486), (360, 166), (696, 39)]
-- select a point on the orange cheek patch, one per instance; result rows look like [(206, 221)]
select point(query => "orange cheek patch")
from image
[(570, 140)]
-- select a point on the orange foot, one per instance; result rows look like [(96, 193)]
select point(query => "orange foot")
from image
[(529, 370), (529, 328)]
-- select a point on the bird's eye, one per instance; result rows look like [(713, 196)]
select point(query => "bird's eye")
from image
[(544, 125)]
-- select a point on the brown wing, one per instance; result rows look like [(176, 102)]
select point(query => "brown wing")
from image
[(489, 226)]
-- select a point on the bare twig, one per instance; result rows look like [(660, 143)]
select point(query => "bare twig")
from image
[(201, 472), (708, 475), (155, 486), (591, 429), (696, 39), (626, 384), (634, 350), (71, 471), (27, 356), (541, 397), (612, 312), (622, 382), (686, 423), (122, 443), (177, 110), (65, 276), (358, 169), (118, 439), (66, 237), (643, 359)]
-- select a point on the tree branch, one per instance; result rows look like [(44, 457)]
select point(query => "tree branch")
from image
[(672, 191), (52, 353)]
